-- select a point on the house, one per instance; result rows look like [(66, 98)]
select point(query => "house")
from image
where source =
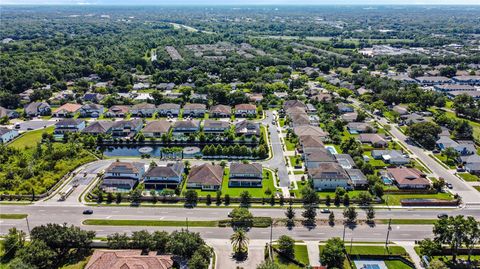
[(412, 118), (345, 161), (310, 130), (99, 128), (35, 109), (357, 178), (433, 80), (140, 86), (156, 128), (408, 178), (68, 126), (123, 175), (245, 110), (117, 111), (11, 114), (93, 97), (376, 140), (350, 117), (215, 126), (164, 177), (474, 158), (400, 110), (467, 80), (391, 156), (445, 142), (299, 119), (245, 175), (199, 98), (328, 176), (474, 94), (360, 127), (247, 128), (363, 90), (185, 127), (322, 97), (344, 108), (7, 135), (473, 168), (91, 111), (126, 128), (255, 97), (313, 158), (194, 110), (453, 87), (311, 109), (293, 103), (205, 176), (169, 109), (128, 259), (67, 110), (143, 110), (310, 142), (462, 147), (220, 111), (165, 86)]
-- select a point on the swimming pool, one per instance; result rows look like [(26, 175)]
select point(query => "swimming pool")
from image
[(331, 149)]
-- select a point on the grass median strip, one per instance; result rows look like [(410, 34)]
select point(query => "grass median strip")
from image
[(407, 221), (160, 223), (13, 216)]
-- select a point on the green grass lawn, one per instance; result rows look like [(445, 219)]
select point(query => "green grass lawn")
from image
[(376, 250), (475, 125), (290, 145), (30, 139), (79, 265), (394, 199), (160, 223), (396, 264), (407, 221), (373, 162), (477, 188), (236, 191), (469, 177), (450, 163), (295, 159), (301, 255), (13, 216), (281, 122)]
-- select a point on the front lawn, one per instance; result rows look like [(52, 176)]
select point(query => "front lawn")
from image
[(394, 199), (289, 144), (450, 163), (236, 191), (469, 177), (376, 250), (396, 264), (295, 160), (477, 188), (301, 255)]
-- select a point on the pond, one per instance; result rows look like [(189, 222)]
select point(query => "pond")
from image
[(154, 151)]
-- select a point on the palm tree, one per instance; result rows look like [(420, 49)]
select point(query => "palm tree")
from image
[(239, 242)]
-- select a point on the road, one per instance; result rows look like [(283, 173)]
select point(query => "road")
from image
[(469, 195)]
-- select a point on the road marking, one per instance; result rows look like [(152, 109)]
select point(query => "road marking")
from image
[(320, 233), (108, 217)]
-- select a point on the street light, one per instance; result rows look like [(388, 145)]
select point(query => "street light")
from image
[(388, 233)]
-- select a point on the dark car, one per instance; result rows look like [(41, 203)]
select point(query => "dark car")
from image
[(442, 216), (87, 212), (449, 185)]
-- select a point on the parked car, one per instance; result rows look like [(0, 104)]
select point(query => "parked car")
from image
[(325, 210), (449, 185), (87, 212)]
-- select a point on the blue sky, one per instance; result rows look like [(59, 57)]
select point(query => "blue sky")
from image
[(243, 2)]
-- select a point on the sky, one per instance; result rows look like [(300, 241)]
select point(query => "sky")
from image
[(241, 2)]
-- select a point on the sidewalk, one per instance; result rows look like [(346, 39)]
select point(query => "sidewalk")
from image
[(223, 252), (313, 253), (409, 247)]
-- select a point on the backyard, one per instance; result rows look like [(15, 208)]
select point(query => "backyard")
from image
[(30, 139)]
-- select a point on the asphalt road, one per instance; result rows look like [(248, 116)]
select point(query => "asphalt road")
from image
[(278, 159)]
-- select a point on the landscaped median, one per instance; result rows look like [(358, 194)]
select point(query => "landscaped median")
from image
[(13, 216)]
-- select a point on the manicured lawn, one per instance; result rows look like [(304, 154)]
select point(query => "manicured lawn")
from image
[(394, 199), (289, 144), (477, 188), (301, 255), (30, 139), (469, 177), (79, 265), (294, 160), (450, 163), (373, 162), (407, 221), (236, 191), (396, 264), (376, 250), (161, 223), (13, 216), (281, 122)]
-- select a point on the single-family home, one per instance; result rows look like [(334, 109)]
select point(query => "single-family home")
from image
[(126, 128), (143, 110), (168, 109), (474, 158), (293, 103), (474, 94), (314, 157), (123, 175), (128, 259), (118, 111), (328, 176), (349, 117), (299, 119), (467, 80), (164, 177), (453, 88), (344, 108), (255, 97), (310, 142), (247, 128), (215, 126), (205, 176), (185, 127), (35, 109), (462, 147), (67, 110), (68, 126), (99, 128), (220, 111), (408, 178), (156, 128), (245, 175), (7, 113), (7, 135), (412, 118), (394, 157), (345, 161), (376, 140), (93, 97), (194, 110), (199, 98), (401, 110), (91, 111), (245, 110), (322, 97), (357, 178), (433, 80), (360, 127), (473, 168), (304, 130)]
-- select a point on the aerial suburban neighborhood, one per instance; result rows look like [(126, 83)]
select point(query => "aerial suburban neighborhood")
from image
[(265, 137)]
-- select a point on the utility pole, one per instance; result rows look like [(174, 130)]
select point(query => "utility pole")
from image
[(388, 233), (187, 223), (344, 226), (28, 226), (351, 243), (271, 232)]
